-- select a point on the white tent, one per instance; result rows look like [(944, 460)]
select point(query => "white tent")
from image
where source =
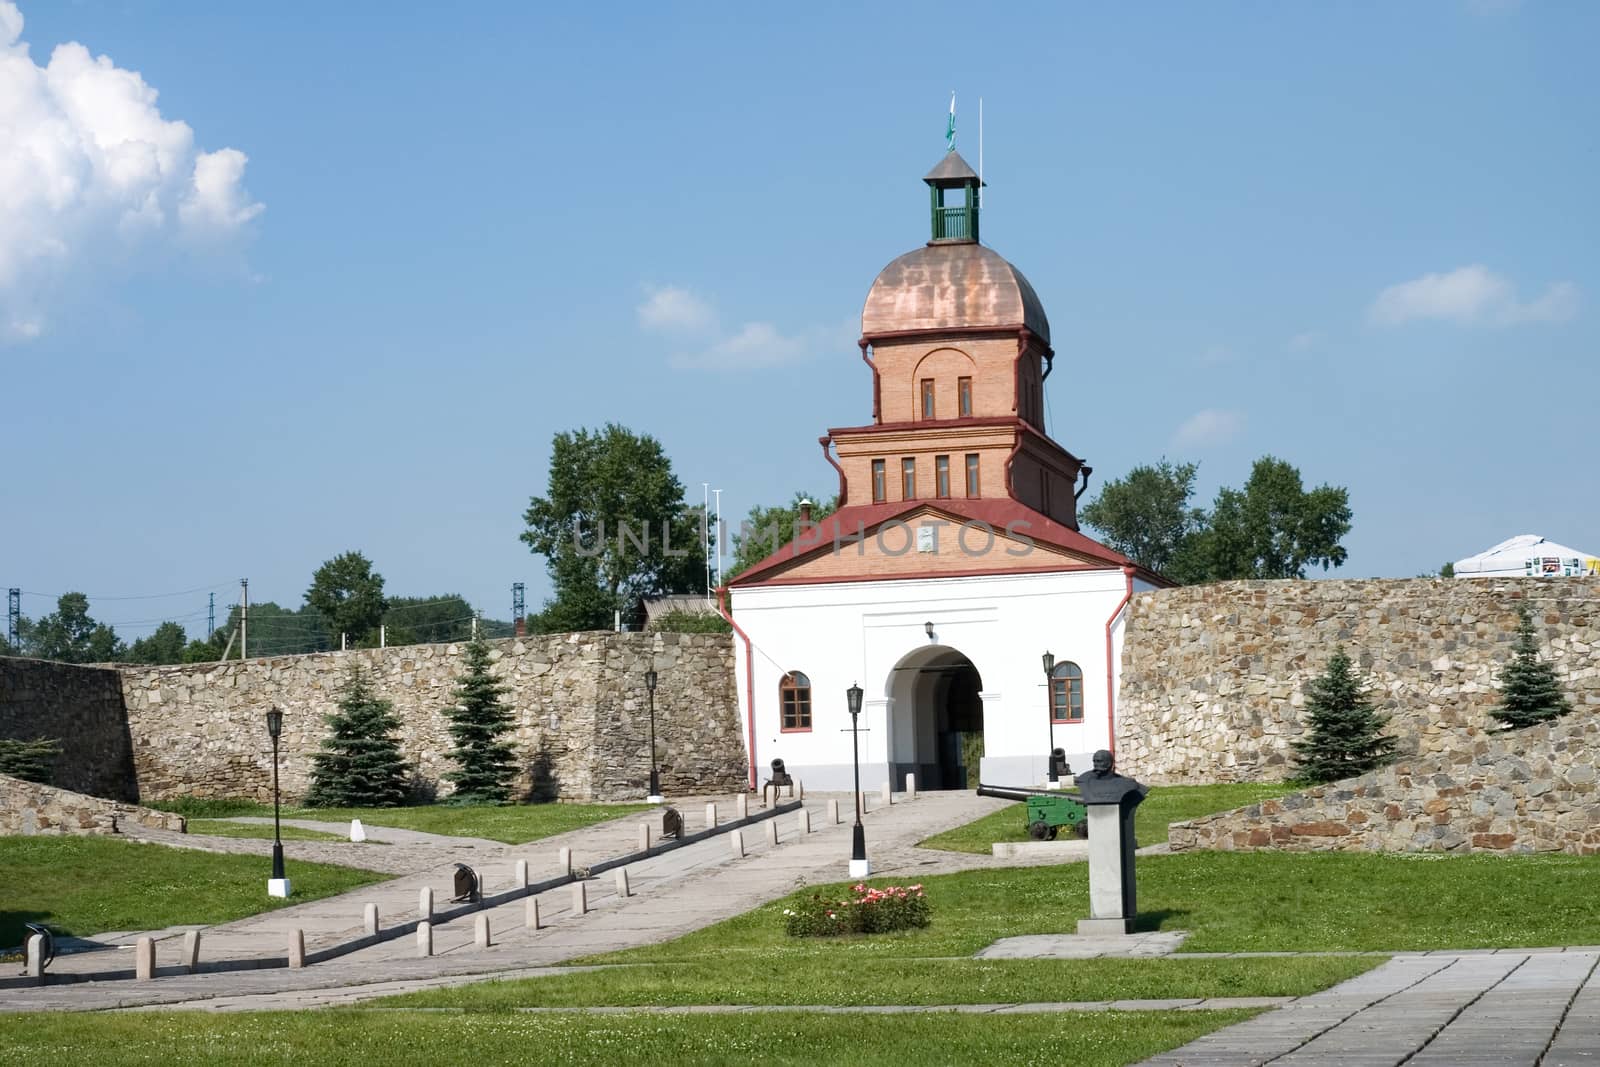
[(1528, 556)]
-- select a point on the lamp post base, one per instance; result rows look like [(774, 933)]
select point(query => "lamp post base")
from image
[(277, 887), (655, 798), (860, 869)]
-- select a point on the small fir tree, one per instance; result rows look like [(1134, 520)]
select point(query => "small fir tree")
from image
[(1531, 690), (32, 761), (478, 721), (360, 765), (1344, 736)]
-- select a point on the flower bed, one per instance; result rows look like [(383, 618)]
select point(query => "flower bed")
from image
[(865, 911)]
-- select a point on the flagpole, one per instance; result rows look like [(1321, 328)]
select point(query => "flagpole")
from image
[(980, 152)]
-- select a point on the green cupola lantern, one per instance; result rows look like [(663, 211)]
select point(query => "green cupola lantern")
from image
[(954, 187)]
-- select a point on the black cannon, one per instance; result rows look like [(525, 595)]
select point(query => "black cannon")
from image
[(671, 823), (780, 778), (469, 887), (1046, 811)]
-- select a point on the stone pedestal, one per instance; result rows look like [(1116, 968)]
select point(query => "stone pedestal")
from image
[(1112, 800), (277, 887)]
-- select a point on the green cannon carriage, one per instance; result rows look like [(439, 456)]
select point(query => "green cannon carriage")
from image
[(1046, 810)]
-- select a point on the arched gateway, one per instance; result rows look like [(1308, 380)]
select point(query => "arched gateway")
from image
[(954, 560), (935, 717)]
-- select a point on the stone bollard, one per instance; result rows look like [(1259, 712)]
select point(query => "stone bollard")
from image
[(519, 874), (297, 948), (532, 918), (191, 951), (35, 957), (564, 862), (804, 822), (369, 919), (772, 831), (911, 787), (833, 813), (144, 958), (711, 815), (480, 930), (888, 795), (736, 843), (580, 898), (424, 938), (425, 904), (622, 883), (741, 805), (644, 837), (799, 789)]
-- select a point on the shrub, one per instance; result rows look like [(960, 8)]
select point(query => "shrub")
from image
[(865, 911), (32, 761)]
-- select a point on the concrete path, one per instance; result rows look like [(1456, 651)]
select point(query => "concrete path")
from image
[(1527, 1007), (671, 895)]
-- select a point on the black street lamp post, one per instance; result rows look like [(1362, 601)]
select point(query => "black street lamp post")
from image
[(279, 886), (1050, 709), (655, 778), (858, 844)]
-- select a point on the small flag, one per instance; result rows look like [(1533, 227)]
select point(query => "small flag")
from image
[(950, 129)]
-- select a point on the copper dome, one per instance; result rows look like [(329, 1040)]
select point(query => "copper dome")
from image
[(952, 284)]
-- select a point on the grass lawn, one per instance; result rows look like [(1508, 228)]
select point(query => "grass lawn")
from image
[(92, 885), (1105, 1039), (511, 824), (1165, 804), (223, 828)]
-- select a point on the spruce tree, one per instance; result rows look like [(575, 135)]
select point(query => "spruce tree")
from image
[(1344, 736), (479, 720), (360, 765), (1530, 688)]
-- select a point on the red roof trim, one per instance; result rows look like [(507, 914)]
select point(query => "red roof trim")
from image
[(998, 514)]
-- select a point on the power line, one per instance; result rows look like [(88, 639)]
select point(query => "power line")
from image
[(143, 596)]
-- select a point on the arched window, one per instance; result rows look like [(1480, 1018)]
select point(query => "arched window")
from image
[(794, 697), (1066, 693)]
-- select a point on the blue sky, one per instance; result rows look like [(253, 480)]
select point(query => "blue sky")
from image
[(1361, 237)]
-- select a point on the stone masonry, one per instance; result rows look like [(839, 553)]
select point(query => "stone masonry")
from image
[(1528, 790), (1213, 676), (29, 808), (82, 708), (579, 704)]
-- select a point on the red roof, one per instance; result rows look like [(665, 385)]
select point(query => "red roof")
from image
[(999, 514)]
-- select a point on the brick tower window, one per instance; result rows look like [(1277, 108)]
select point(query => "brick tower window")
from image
[(928, 407), (908, 478), (964, 395), (941, 476), (880, 488), (972, 475)]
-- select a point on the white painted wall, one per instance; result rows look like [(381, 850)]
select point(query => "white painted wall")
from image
[(842, 633)]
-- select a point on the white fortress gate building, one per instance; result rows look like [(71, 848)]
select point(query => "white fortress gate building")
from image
[(953, 563)]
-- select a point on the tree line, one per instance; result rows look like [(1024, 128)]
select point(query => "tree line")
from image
[(346, 600)]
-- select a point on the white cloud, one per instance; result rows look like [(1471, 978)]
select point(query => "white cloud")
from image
[(669, 308), (1471, 295), (673, 310), (90, 171), (1209, 427)]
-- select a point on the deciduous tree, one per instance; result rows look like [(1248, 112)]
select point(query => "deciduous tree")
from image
[(767, 529), (1274, 527), (165, 645), (347, 594), (613, 528), (68, 634), (1146, 516)]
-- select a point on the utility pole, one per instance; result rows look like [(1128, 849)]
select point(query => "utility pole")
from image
[(244, 618), (211, 615), (476, 615), (718, 536), (705, 532), (13, 617)]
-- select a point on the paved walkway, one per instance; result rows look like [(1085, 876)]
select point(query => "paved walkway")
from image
[(672, 894), (1427, 1010)]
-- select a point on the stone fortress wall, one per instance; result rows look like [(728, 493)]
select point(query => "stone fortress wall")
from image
[(82, 708), (579, 705), (1528, 790), (1213, 676)]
